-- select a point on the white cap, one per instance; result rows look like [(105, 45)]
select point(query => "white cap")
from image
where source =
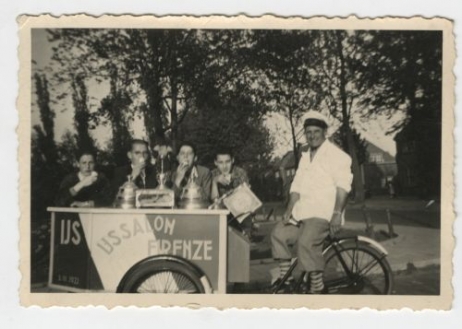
[(311, 114)]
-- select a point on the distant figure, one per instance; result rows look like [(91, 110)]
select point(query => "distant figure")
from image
[(85, 188), (391, 188)]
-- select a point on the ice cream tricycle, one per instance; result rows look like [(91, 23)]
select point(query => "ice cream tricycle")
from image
[(138, 247)]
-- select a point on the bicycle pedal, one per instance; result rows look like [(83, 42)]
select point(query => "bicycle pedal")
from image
[(287, 287)]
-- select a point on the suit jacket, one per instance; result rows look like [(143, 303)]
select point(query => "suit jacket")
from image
[(121, 173), (204, 180), (99, 191)]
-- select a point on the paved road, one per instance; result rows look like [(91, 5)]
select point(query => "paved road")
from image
[(412, 282), (423, 281)]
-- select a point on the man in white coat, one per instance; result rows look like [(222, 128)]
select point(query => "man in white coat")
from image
[(318, 196)]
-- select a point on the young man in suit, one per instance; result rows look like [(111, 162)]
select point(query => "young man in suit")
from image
[(142, 173)]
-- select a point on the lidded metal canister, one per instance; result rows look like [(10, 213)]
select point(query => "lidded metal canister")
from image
[(126, 196), (193, 197)]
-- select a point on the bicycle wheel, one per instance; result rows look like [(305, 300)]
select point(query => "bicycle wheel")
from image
[(361, 270), (163, 276)]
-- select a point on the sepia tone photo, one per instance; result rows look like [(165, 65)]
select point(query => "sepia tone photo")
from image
[(236, 162)]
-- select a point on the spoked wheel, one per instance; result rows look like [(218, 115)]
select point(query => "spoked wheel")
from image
[(357, 268), (165, 277)]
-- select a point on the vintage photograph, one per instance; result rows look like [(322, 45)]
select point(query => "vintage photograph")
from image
[(267, 163)]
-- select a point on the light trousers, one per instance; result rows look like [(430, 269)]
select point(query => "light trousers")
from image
[(308, 240)]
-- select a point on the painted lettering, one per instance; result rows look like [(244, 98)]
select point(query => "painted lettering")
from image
[(166, 245), (197, 244), (200, 250), (207, 250), (107, 248), (187, 249), (116, 240), (65, 231), (137, 228), (153, 247), (76, 238), (147, 226), (169, 226), (70, 232), (158, 223), (123, 228), (176, 246)]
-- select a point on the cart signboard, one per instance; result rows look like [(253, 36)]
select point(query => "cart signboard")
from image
[(94, 248)]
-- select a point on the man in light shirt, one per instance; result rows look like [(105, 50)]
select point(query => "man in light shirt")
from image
[(318, 196)]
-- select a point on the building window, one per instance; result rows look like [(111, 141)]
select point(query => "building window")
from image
[(376, 158)]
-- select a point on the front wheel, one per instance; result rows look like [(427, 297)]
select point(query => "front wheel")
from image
[(357, 268), (164, 276)]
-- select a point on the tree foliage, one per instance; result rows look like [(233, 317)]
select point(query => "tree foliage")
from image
[(215, 86)]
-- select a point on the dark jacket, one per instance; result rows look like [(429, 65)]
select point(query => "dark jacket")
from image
[(99, 192), (238, 176), (121, 173), (204, 180)]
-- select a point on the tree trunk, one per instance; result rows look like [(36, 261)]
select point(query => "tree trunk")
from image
[(356, 168), (81, 114), (357, 179), (174, 113), (153, 111), (294, 137)]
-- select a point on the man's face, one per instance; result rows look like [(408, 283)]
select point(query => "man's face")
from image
[(315, 136), (224, 163), (138, 154), (186, 156), (86, 164)]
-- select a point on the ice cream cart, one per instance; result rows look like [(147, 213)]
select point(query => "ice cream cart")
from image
[(145, 250)]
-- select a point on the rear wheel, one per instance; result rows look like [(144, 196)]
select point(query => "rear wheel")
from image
[(164, 276), (357, 268)]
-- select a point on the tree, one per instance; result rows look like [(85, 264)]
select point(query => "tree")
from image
[(114, 110), (341, 72), (227, 102), (408, 79), (285, 58), (44, 167), (81, 114)]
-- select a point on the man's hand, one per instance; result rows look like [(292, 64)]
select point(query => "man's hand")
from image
[(287, 216), (83, 204), (223, 179), (89, 180), (180, 173), (335, 223), (138, 168)]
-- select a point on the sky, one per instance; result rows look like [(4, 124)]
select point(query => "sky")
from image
[(372, 130)]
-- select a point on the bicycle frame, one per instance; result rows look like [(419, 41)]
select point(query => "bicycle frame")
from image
[(337, 245)]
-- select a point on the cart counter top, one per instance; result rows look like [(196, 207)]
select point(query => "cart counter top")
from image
[(141, 211)]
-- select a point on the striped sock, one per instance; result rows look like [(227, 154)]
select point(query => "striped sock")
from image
[(284, 265), (316, 282)]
